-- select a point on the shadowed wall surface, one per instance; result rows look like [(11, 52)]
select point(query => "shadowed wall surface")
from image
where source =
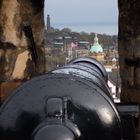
[(15, 53), (129, 50)]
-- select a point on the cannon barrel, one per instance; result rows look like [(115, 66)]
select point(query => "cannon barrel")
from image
[(72, 102)]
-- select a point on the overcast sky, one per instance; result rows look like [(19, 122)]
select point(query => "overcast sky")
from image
[(82, 11)]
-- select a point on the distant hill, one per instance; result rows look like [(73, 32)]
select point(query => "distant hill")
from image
[(104, 39)]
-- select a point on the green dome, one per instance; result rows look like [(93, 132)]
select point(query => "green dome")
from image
[(96, 47)]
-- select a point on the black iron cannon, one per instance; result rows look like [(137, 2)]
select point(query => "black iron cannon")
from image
[(72, 102)]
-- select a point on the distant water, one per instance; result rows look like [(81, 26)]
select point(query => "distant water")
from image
[(101, 28)]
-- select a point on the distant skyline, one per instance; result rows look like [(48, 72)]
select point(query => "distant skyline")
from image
[(83, 13)]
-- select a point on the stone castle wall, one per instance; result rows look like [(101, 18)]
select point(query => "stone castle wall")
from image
[(15, 56), (129, 50)]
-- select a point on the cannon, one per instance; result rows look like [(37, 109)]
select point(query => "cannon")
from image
[(72, 102)]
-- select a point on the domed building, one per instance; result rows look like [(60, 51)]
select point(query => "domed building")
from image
[(96, 50)]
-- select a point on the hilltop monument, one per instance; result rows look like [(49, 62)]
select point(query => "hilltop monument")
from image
[(48, 23)]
